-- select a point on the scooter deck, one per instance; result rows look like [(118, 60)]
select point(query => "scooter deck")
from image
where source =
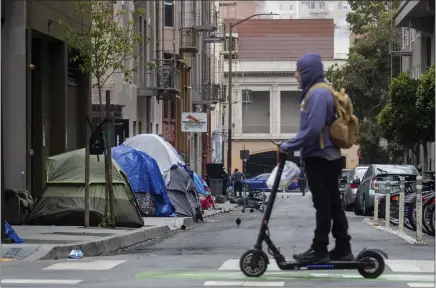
[(332, 265)]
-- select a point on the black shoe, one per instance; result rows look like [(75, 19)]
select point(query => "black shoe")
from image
[(339, 256), (311, 256)]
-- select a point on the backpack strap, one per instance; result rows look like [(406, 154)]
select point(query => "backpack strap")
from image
[(304, 103)]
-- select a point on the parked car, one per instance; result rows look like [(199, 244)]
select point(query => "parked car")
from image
[(342, 181), (364, 200), (258, 183), (351, 188)]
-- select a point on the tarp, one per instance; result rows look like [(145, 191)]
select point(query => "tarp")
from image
[(63, 200), (199, 186), (182, 193), (144, 176), (157, 148)]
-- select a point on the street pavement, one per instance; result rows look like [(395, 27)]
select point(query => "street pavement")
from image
[(207, 255)]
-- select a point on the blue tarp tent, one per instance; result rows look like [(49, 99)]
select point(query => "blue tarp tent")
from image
[(144, 176), (199, 186)]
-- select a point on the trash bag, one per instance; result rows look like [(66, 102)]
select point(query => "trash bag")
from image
[(290, 171)]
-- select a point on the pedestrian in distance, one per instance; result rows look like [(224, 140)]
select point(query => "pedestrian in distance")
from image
[(327, 124), (237, 178)]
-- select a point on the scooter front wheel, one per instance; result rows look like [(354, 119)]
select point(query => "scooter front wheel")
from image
[(374, 258), (261, 265)]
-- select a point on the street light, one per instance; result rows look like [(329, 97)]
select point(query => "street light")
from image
[(229, 136)]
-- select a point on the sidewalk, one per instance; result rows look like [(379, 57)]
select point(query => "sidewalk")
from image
[(56, 242)]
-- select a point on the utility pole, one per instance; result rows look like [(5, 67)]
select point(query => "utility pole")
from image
[(229, 136), (2, 192)]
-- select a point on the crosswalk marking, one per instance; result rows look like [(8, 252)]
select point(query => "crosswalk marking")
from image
[(411, 266), (421, 285), (405, 266), (244, 283), (83, 265), (41, 281)]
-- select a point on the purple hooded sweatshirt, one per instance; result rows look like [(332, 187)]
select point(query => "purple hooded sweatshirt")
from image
[(319, 113)]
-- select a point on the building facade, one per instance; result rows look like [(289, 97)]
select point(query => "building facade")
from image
[(414, 53), (45, 98), (336, 10)]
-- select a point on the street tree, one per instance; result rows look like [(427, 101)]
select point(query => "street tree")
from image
[(425, 105), (367, 71), (399, 120), (106, 47)]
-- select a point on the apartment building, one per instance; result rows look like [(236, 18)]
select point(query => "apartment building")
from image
[(187, 32), (336, 10), (413, 52), (181, 38), (44, 97), (265, 93)]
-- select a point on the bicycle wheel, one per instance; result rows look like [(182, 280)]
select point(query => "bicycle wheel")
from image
[(427, 215), (411, 217), (433, 220)]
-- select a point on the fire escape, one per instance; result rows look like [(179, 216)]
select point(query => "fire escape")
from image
[(400, 47), (165, 67)]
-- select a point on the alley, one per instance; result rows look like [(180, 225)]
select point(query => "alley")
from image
[(208, 255)]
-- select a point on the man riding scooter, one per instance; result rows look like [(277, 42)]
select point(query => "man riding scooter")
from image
[(322, 162)]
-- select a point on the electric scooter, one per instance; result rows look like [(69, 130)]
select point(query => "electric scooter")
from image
[(370, 262)]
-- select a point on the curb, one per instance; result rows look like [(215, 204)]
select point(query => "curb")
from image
[(111, 244), (218, 212)]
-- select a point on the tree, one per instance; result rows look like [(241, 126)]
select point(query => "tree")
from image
[(105, 48), (399, 120), (365, 76), (425, 105)]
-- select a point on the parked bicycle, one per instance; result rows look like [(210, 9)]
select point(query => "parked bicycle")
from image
[(428, 206)]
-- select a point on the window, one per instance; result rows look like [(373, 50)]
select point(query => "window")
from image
[(280, 7), (412, 35), (139, 127), (343, 5), (321, 5), (169, 13), (263, 177), (312, 5), (291, 6), (305, 4), (134, 128), (358, 173), (407, 36)]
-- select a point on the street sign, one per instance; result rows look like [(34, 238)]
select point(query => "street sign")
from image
[(194, 122)]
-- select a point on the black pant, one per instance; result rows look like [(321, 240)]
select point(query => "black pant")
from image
[(322, 176), (238, 187), (302, 187)]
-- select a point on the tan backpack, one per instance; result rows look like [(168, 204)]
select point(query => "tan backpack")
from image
[(345, 128)]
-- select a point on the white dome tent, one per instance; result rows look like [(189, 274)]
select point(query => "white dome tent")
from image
[(159, 149)]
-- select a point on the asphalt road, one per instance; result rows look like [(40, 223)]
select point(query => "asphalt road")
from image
[(207, 255)]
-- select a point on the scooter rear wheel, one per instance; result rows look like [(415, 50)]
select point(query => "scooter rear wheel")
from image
[(372, 257), (261, 265)]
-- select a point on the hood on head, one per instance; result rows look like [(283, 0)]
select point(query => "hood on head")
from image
[(311, 70)]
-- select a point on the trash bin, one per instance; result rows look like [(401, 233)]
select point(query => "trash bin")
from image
[(216, 186)]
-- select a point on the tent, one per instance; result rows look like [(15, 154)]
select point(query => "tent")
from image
[(157, 148), (145, 177), (199, 186), (182, 193), (63, 199)]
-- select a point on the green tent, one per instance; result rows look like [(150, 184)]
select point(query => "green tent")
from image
[(63, 200)]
